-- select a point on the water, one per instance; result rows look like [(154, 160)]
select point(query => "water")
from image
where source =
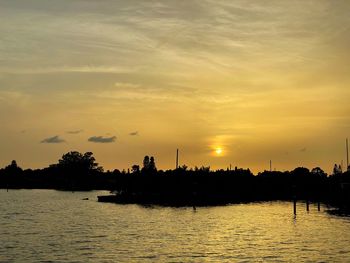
[(47, 225)]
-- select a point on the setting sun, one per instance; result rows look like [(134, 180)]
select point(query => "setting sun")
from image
[(218, 151)]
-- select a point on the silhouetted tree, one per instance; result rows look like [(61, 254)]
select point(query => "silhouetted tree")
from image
[(183, 167), (79, 163), (337, 169), (11, 173), (205, 169), (318, 171), (135, 168), (13, 168), (149, 164), (145, 163), (300, 171), (152, 164)]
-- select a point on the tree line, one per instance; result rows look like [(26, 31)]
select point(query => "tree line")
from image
[(147, 184)]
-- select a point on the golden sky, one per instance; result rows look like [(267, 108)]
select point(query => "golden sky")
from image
[(258, 80)]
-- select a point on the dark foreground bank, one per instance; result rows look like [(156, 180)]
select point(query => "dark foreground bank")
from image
[(181, 186)]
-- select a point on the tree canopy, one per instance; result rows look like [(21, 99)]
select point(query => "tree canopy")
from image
[(78, 162)]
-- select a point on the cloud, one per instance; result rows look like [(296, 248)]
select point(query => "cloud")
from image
[(126, 85), (75, 132), (134, 133), (54, 139), (101, 139)]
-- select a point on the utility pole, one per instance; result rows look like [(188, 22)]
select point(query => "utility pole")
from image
[(341, 165), (177, 158), (270, 166), (347, 154)]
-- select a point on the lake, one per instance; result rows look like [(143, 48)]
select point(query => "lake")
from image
[(48, 225)]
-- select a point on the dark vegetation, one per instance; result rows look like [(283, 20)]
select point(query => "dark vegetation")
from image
[(182, 186)]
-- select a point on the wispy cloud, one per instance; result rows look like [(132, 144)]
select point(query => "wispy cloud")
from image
[(101, 139), (180, 69), (126, 85), (75, 131), (134, 133), (76, 69), (54, 139)]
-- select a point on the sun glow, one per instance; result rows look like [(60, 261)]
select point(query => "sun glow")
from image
[(218, 151)]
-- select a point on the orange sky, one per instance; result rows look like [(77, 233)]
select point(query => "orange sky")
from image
[(260, 80)]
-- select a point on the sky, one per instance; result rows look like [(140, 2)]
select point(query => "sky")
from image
[(226, 82)]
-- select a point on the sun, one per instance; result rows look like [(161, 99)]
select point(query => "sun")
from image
[(218, 151)]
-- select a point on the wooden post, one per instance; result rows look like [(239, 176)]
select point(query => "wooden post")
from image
[(307, 205), (318, 206), (294, 206)]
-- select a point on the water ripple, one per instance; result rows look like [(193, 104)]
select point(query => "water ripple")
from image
[(51, 226)]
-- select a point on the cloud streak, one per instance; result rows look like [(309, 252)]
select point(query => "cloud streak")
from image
[(134, 133), (53, 139), (75, 131), (101, 139), (303, 149)]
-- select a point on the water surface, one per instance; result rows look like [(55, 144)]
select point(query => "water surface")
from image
[(48, 225)]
